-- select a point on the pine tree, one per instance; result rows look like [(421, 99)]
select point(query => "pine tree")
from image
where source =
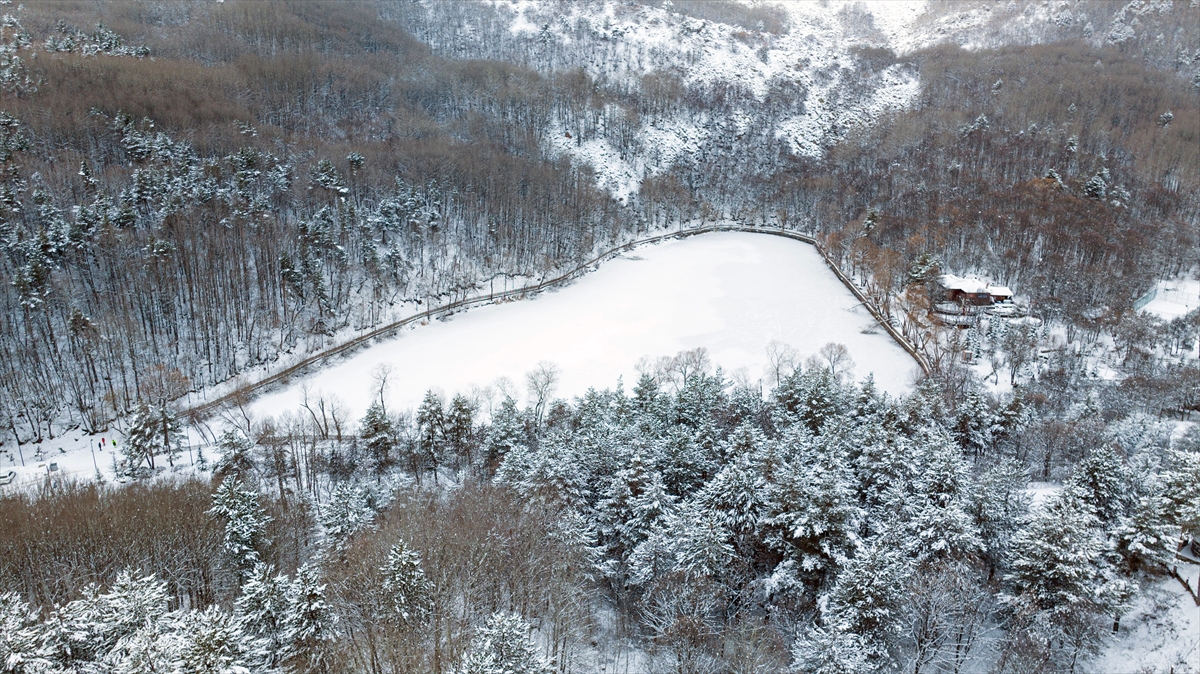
[(213, 643), (245, 522), (460, 427), (349, 509), (699, 542), (1057, 564), (409, 591), (549, 474), (819, 398), (999, 505), (261, 612), (235, 461), (20, 637), (737, 498), (974, 425), (1145, 537), (308, 623), (505, 433), (90, 629), (830, 651), (141, 440), (1181, 488), (431, 423), (633, 504), (1103, 480), (502, 646), (865, 599), (378, 435), (1061, 580), (941, 524), (148, 650), (814, 511), (1012, 419)]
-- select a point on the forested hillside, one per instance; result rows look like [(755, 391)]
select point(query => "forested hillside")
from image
[(194, 193), (193, 189)]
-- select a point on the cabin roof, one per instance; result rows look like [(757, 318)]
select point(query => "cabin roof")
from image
[(973, 286)]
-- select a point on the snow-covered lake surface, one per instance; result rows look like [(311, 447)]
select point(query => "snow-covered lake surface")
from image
[(731, 293)]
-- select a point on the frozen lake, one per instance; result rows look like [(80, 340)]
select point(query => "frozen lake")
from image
[(731, 293)]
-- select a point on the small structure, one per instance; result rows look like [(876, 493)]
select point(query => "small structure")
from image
[(1000, 294), (959, 301)]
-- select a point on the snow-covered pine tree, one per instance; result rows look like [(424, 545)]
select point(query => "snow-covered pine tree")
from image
[(634, 502), (1058, 560), (999, 505), (1011, 419), (737, 499), (823, 650), (1145, 537), (141, 440), (235, 461), (212, 643), (866, 597), (1062, 583), (245, 522), (1181, 488), (685, 461), (699, 542), (431, 424), (813, 508), (120, 626), (460, 429), (309, 624), (378, 435), (20, 637), (502, 646), (941, 524), (261, 612), (813, 396), (1103, 480), (350, 508), (549, 474), (506, 432), (150, 649), (974, 425), (409, 591)]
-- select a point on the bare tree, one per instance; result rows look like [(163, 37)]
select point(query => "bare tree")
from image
[(782, 360), (835, 357), (542, 381)]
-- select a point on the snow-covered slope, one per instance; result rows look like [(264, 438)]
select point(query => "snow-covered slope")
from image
[(803, 86)]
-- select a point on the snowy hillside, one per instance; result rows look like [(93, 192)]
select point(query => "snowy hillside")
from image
[(808, 74)]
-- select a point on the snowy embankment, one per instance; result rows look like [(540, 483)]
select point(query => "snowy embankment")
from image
[(730, 293)]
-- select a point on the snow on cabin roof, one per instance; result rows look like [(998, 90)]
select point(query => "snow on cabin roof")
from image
[(966, 285), (973, 286)]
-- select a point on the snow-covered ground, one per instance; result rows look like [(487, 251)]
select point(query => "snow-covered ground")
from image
[(731, 293), (1160, 634), (1174, 298)]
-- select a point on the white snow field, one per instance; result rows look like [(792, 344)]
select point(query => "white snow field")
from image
[(731, 293)]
